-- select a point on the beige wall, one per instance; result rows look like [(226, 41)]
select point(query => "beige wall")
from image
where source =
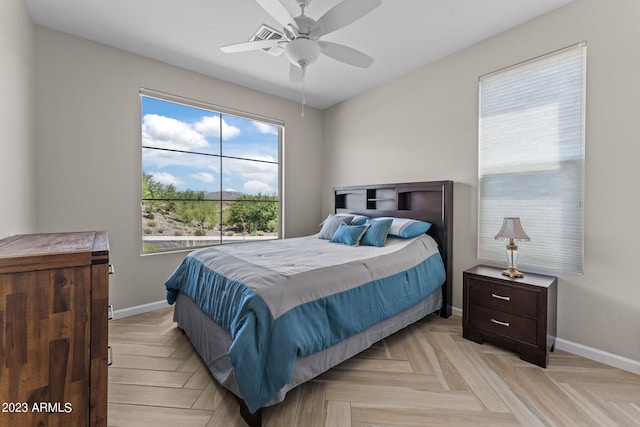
[(17, 182), (88, 150), (423, 126)]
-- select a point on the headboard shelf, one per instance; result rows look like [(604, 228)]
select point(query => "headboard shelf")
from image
[(381, 198), (352, 198), (430, 201)]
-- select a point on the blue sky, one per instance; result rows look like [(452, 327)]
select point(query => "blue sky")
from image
[(180, 127)]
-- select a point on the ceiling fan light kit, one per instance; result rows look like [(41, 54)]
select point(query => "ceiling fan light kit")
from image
[(302, 51), (302, 43)]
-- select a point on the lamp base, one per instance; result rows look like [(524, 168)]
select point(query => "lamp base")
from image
[(512, 272)]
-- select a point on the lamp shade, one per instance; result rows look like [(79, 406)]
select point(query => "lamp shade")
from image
[(512, 229)]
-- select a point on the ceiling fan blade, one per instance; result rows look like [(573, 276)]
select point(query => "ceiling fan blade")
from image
[(276, 9), (249, 46), (295, 74), (342, 15), (345, 54)]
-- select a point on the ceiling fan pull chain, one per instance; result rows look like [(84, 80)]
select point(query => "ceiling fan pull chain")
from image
[(303, 99)]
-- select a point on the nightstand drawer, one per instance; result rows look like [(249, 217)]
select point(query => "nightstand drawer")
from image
[(503, 323), (503, 297)]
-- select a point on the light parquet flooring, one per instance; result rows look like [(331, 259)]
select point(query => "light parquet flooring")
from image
[(424, 375)]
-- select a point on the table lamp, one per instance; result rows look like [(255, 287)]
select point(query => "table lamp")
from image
[(513, 232)]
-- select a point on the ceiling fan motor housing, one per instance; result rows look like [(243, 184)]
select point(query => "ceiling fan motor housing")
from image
[(304, 24)]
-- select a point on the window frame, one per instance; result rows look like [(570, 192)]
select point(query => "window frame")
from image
[(220, 111)]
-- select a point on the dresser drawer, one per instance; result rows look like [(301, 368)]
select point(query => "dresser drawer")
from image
[(507, 298), (505, 324)]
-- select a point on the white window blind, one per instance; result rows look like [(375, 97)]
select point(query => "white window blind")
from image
[(531, 159)]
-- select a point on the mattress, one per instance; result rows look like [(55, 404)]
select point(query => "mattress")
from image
[(289, 299)]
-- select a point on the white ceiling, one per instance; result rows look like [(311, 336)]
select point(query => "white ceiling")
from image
[(401, 35)]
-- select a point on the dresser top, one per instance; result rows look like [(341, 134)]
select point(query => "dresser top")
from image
[(43, 251)]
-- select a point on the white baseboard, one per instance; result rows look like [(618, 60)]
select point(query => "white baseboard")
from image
[(139, 309), (599, 355), (561, 344)]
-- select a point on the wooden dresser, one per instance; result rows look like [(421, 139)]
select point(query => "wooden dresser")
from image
[(518, 313), (54, 291)]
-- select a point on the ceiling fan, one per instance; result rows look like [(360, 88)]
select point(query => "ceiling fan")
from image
[(302, 43)]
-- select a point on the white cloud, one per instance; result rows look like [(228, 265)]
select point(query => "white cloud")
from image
[(165, 132), (203, 176), (165, 178), (257, 177), (251, 171), (210, 126), (253, 187), (265, 128)]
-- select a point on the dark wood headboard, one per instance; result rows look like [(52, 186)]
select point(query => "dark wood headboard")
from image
[(430, 201)]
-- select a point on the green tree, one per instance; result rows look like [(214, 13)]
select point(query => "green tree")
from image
[(151, 190), (255, 213), (157, 197), (200, 213)]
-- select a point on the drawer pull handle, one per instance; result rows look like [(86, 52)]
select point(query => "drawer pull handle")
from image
[(110, 356), (110, 315), (111, 269), (500, 323), (501, 297)]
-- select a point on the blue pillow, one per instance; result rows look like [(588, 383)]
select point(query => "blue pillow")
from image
[(358, 219), (405, 228), (349, 234), (377, 232)]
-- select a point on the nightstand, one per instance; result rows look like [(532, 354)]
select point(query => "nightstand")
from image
[(518, 314)]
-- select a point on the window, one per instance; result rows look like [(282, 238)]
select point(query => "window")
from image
[(208, 176), (531, 159)]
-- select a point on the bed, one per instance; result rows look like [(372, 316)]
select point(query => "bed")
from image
[(268, 316)]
